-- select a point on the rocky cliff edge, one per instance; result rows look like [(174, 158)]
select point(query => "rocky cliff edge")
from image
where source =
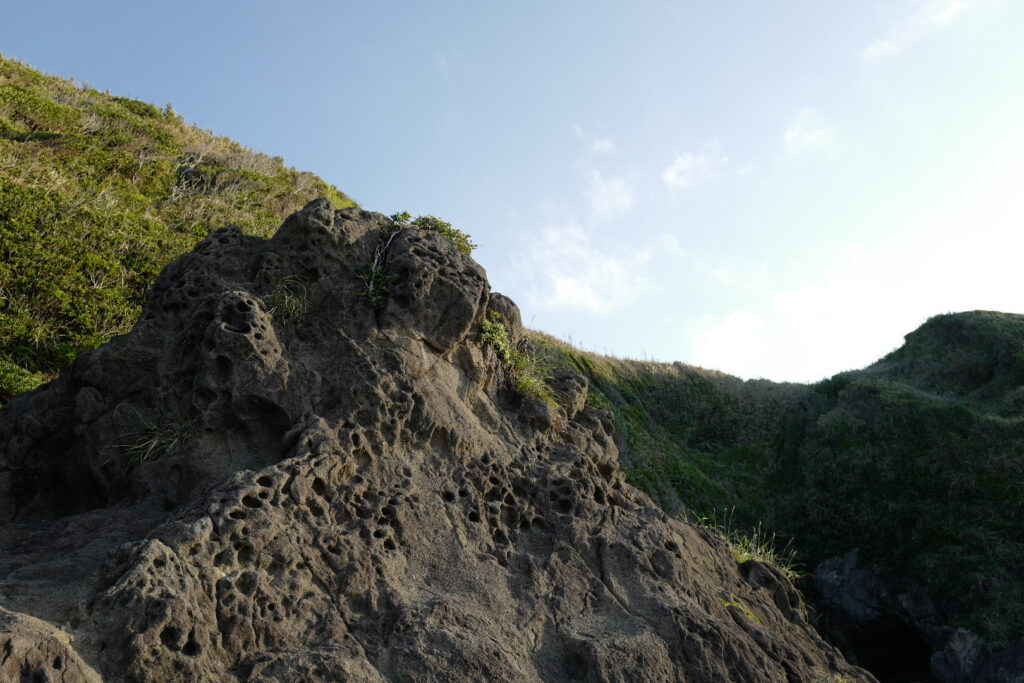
[(286, 472)]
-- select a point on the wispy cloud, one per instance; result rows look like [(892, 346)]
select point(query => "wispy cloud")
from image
[(690, 169), (808, 131), (746, 169), (567, 272), (607, 196), (926, 16), (595, 145)]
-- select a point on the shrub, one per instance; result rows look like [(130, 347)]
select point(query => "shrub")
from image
[(436, 225), (527, 373)]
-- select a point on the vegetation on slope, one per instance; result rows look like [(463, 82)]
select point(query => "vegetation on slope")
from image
[(97, 194), (917, 460)]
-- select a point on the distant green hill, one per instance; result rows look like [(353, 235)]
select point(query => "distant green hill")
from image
[(917, 460), (97, 194)]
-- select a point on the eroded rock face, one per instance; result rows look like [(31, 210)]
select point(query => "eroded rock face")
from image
[(270, 479)]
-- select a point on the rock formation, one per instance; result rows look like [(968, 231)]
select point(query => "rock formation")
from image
[(275, 477)]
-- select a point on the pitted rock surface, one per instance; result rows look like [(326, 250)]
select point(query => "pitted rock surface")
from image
[(240, 492)]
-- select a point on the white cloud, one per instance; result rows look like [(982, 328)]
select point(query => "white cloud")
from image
[(746, 169), (733, 344), (608, 196), (594, 145), (880, 49), (690, 169), (566, 272), (927, 15), (808, 131)]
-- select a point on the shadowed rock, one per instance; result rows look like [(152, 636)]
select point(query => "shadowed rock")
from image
[(270, 479)]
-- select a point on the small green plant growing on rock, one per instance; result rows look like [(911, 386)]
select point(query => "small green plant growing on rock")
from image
[(437, 226), (494, 334), (289, 300), (375, 277), (525, 370), (152, 440), (743, 608), (756, 545)]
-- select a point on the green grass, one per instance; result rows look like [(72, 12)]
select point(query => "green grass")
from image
[(151, 441), (757, 544), (97, 194), (527, 371), (288, 300)]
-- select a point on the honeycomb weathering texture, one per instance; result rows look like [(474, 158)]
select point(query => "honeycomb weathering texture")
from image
[(270, 479)]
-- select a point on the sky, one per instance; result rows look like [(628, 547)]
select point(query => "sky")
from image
[(775, 190)]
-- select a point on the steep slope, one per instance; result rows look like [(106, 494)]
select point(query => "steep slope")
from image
[(899, 484), (97, 194), (280, 476)]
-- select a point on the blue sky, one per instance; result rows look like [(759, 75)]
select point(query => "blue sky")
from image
[(778, 190)]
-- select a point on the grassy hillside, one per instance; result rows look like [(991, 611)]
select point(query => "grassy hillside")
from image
[(917, 460), (97, 194)]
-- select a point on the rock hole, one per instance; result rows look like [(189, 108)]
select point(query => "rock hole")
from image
[(252, 502), (58, 662), (192, 647), (319, 488), (508, 516), (171, 637), (389, 544), (380, 533), (264, 481), (448, 496), (499, 537), (237, 514), (246, 583), (246, 554), (315, 508)]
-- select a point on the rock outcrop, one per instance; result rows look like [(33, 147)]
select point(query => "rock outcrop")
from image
[(273, 478)]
